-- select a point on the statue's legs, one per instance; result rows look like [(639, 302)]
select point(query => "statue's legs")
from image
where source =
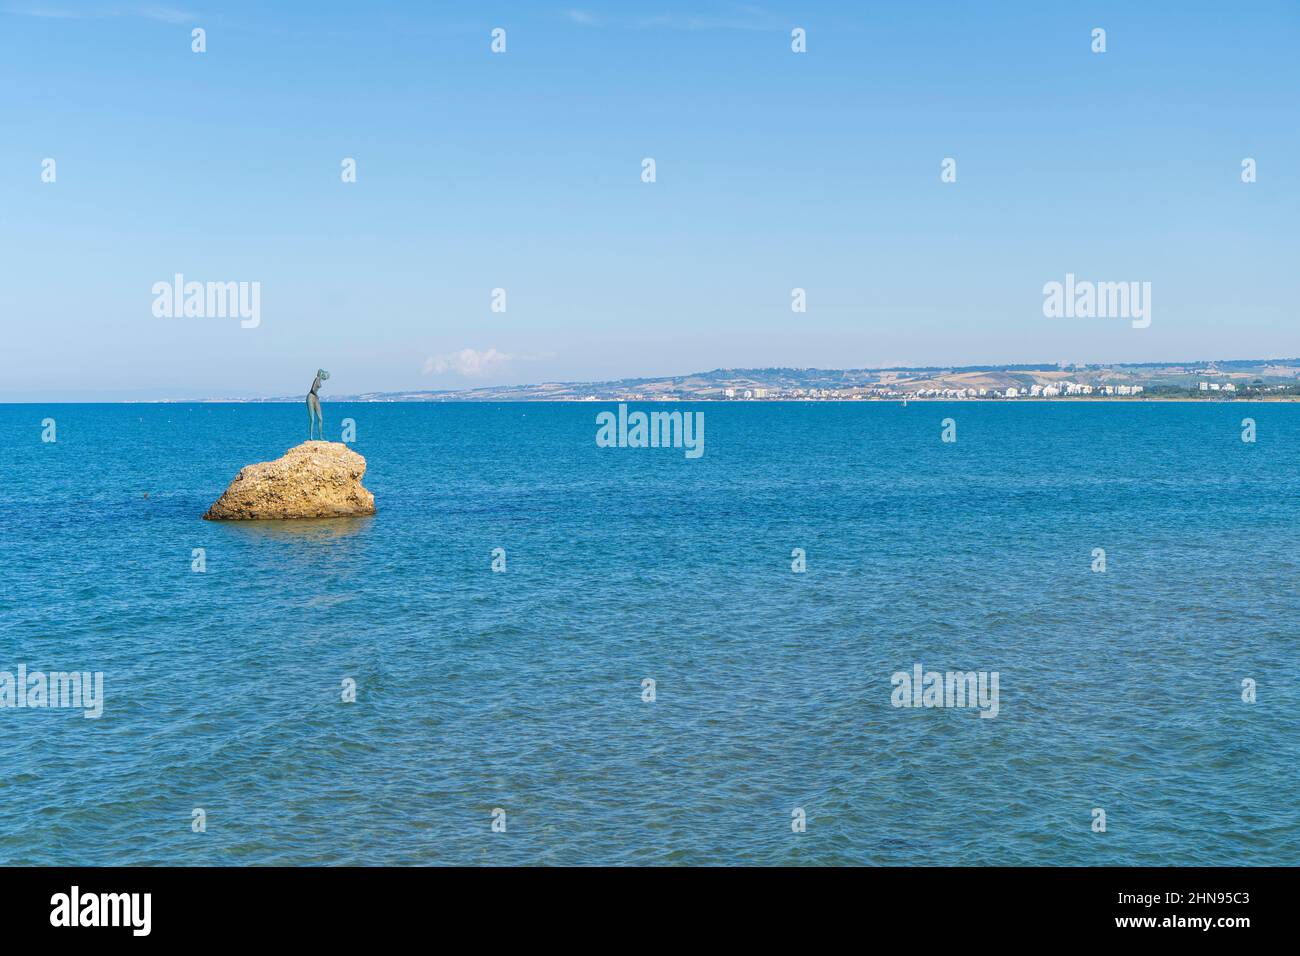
[(313, 409)]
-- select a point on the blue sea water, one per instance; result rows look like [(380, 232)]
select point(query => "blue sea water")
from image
[(522, 690)]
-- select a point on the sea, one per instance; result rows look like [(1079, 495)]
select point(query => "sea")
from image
[(543, 651)]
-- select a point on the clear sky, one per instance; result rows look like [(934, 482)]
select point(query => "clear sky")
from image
[(522, 171)]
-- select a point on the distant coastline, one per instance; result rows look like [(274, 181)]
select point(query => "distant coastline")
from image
[(1215, 381), (1222, 380), (451, 400)]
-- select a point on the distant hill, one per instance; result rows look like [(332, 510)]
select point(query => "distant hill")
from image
[(1246, 376)]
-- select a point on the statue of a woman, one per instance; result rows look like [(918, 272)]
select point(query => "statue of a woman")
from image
[(313, 405)]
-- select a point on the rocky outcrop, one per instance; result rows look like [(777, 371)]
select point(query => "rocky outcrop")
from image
[(317, 479)]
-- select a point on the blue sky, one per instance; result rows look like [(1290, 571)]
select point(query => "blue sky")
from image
[(522, 171)]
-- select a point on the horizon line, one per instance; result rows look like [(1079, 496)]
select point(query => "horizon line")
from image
[(465, 389)]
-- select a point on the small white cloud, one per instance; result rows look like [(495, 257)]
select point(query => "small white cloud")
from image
[(466, 362), (156, 11), (580, 16)]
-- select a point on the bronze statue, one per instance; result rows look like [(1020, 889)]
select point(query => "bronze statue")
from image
[(313, 405)]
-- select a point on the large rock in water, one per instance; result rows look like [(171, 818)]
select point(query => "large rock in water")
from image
[(317, 479)]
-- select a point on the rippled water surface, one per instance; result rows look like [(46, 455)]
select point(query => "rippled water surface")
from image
[(522, 690)]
